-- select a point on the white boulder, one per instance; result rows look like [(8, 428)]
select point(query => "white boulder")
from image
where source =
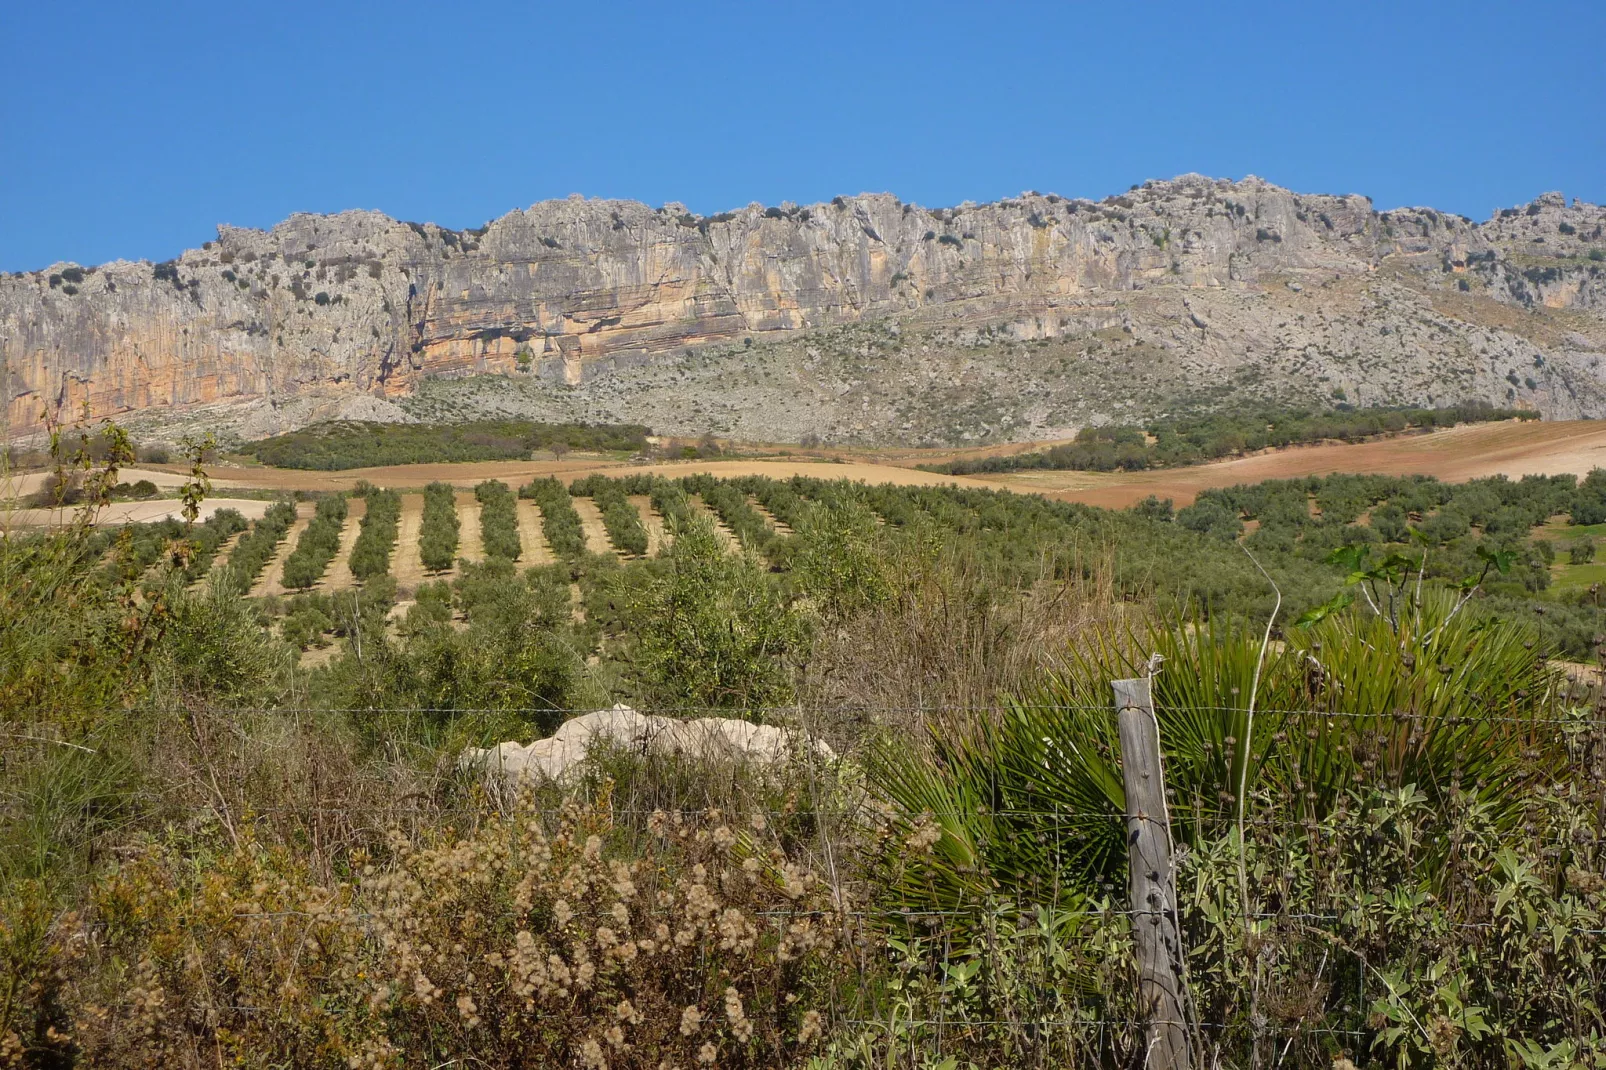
[(555, 758)]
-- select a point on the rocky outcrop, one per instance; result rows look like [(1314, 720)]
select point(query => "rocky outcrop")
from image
[(866, 312), (718, 739)]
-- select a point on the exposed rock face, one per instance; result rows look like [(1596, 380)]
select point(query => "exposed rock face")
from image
[(721, 739), (865, 318)]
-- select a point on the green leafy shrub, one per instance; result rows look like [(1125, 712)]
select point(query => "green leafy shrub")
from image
[(499, 520), (669, 499), (437, 537), (559, 522), (345, 444), (721, 632), (370, 555), (619, 516), (256, 548), (319, 543)]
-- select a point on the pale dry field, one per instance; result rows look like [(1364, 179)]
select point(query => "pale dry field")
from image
[(1471, 451), (22, 484), (1468, 452), (268, 581), (131, 512), (533, 548), (591, 524)]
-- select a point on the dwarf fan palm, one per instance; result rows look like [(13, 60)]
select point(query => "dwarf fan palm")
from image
[(1030, 799)]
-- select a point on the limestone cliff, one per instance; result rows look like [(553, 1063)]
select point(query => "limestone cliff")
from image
[(865, 318)]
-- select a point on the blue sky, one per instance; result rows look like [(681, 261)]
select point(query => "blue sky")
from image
[(131, 130)]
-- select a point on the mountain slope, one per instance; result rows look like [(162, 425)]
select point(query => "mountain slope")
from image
[(863, 319)]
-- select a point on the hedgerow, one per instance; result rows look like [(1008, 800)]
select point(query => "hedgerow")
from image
[(343, 444), (559, 522), (1197, 439), (319, 543), (619, 516), (731, 505), (256, 547), (437, 538), (206, 538), (669, 498), (499, 520), (370, 556)]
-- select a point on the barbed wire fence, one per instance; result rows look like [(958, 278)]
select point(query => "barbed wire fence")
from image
[(835, 812)]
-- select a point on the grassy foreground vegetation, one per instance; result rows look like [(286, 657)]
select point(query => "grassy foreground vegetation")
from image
[(355, 444), (1389, 815), (1168, 443)]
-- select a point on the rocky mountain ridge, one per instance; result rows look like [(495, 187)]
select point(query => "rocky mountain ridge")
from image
[(863, 319)]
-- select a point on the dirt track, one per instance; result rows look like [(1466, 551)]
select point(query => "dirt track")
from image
[(596, 532)]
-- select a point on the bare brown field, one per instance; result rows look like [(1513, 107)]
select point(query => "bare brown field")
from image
[(273, 572), (338, 576), (657, 535), (405, 563), (132, 512), (533, 548), (591, 524), (1471, 451)]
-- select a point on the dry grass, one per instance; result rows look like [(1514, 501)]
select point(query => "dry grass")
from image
[(948, 637)]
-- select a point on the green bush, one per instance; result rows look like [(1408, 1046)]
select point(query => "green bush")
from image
[(499, 520), (559, 522), (1581, 552), (256, 548), (344, 444), (730, 504), (370, 556), (716, 629), (619, 516), (669, 499), (319, 543), (437, 538), (1195, 439)]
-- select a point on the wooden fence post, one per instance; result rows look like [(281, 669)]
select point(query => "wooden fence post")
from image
[(1152, 885)]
